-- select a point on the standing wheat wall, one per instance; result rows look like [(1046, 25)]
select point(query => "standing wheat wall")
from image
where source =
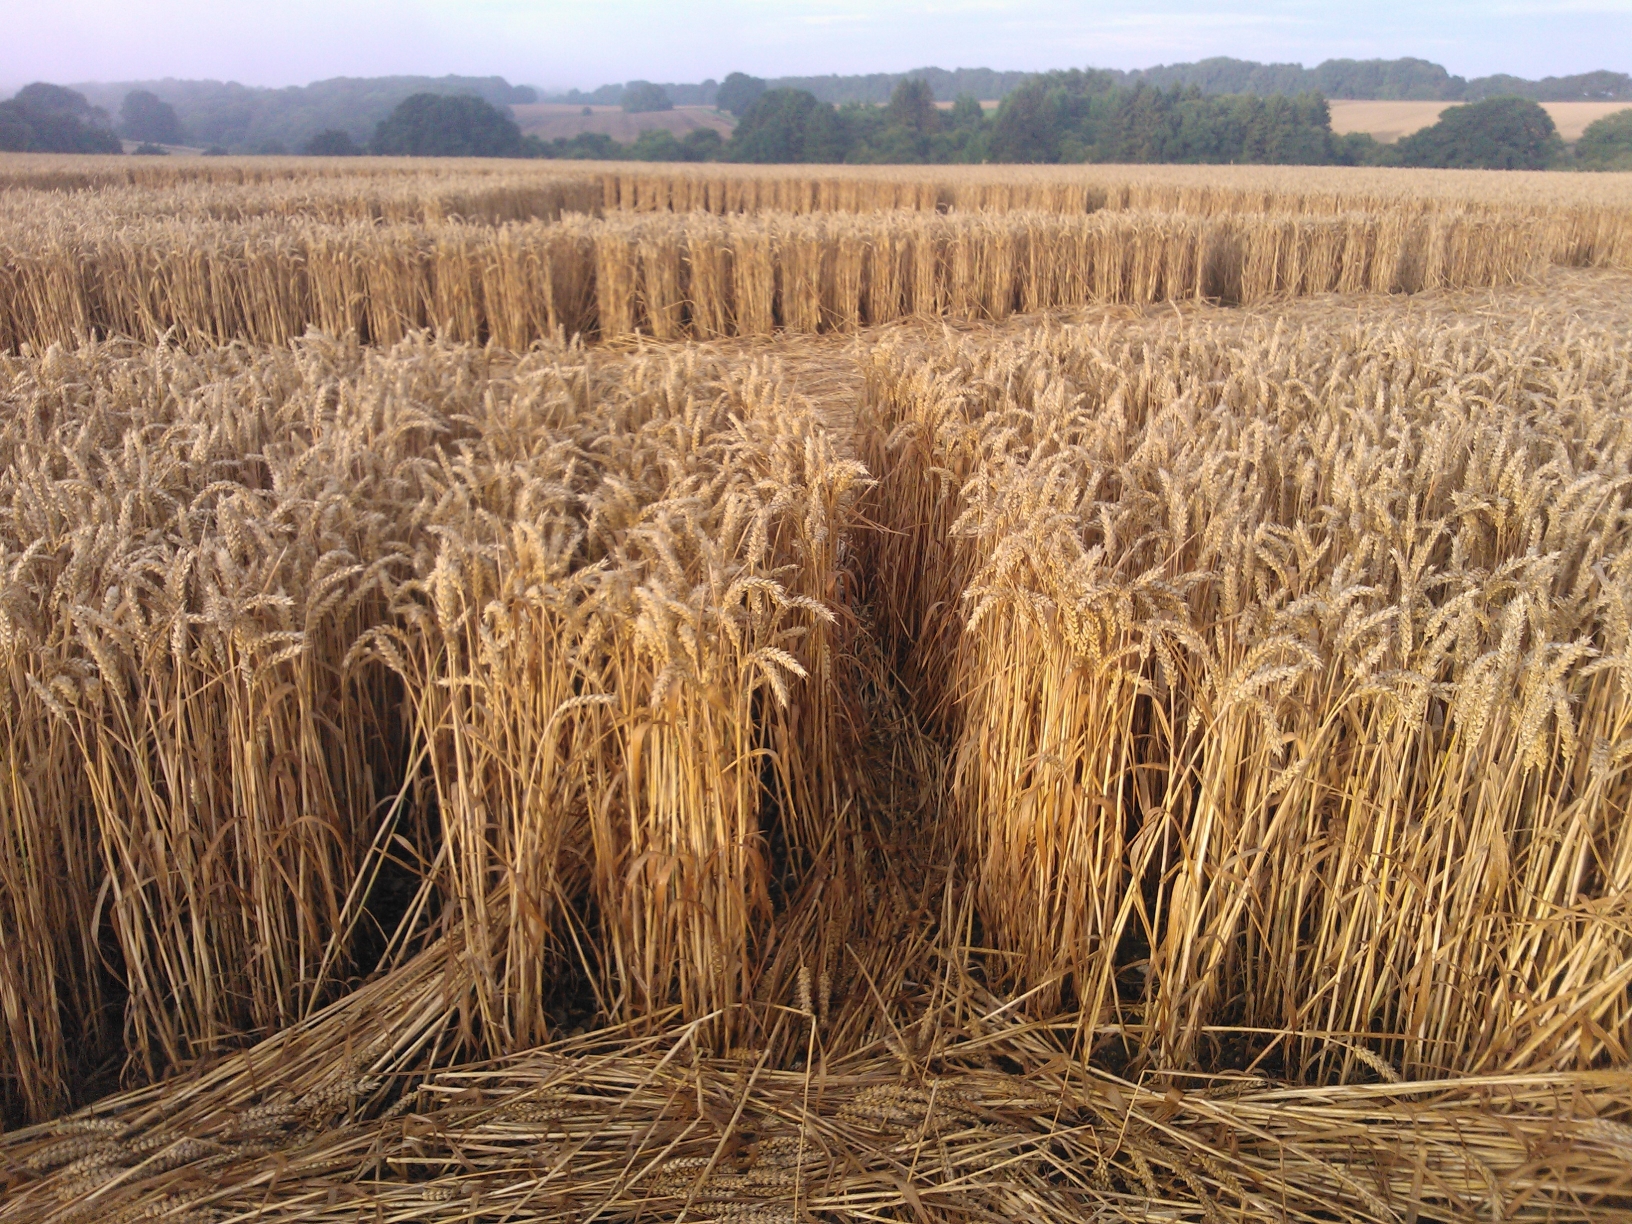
[(1283, 678), (672, 276), (550, 645)]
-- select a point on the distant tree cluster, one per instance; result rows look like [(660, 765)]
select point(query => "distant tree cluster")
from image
[(1074, 116), (657, 145), (1087, 117), (146, 117), (1607, 143), (1057, 117), (44, 118), (1496, 134), (332, 142), (251, 119), (642, 98), (1398, 79), (738, 92), (435, 125)]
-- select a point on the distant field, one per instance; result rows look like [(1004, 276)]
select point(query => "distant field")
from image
[(1388, 121), (560, 120)]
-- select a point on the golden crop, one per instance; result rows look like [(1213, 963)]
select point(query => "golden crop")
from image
[(669, 276), (1174, 762)]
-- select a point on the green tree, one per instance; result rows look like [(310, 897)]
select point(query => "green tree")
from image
[(772, 129), (149, 118), (738, 92), (1028, 127), (967, 114), (435, 125), (1497, 134), (1074, 116), (44, 118), (657, 144), (44, 98), (331, 142), (1607, 143), (912, 107), (642, 97), (586, 146)]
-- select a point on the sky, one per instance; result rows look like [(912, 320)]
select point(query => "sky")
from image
[(558, 44)]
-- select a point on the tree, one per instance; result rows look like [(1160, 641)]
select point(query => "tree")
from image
[(146, 117), (912, 106), (1026, 129), (435, 125), (967, 114), (245, 118), (332, 142), (642, 97), (1076, 116), (1607, 143), (738, 92), (772, 129), (657, 144), (46, 118), (586, 146), (43, 98), (1497, 134)]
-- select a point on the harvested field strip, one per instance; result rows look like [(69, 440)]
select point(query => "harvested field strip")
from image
[(695, 275), (1283, 677), (717, 187), (57, 172), (992, 1114)]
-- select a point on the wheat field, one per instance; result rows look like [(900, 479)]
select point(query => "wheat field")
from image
[(886, 694)]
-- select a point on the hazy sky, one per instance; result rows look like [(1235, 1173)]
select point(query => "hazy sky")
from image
[(586, 43)]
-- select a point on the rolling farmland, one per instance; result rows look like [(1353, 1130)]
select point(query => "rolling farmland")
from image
[(1388, 121)]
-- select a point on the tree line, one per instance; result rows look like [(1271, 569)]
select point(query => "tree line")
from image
[(254, 119), (1090, 116), (1405, 79), (1058, 117)]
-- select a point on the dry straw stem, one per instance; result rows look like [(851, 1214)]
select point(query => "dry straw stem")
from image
[(269, 280), (620, 656), (625, 1126), (191, 545), (533, 637), (1285, 677)]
